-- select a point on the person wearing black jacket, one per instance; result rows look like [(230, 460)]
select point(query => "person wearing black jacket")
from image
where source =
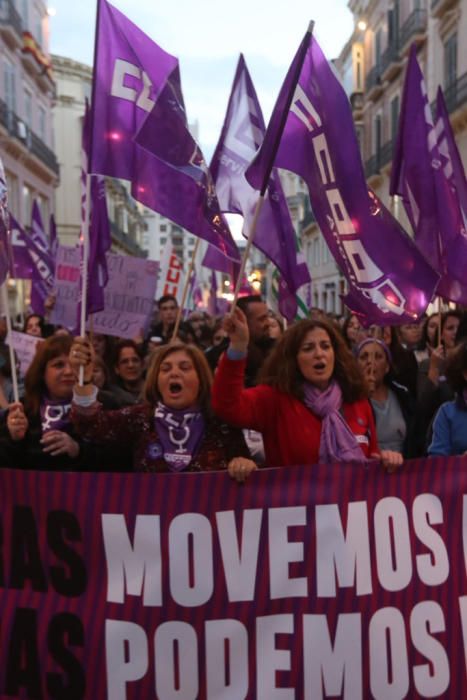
[(260, 344), (38, 434)]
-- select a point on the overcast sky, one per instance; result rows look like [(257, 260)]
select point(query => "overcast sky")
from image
[(207, 36)]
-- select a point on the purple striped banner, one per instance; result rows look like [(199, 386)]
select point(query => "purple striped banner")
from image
[(306, 582)]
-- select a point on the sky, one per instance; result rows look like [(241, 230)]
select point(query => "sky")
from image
[(207, 37)]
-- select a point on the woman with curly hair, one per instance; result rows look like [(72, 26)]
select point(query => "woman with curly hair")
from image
[(310, 404)]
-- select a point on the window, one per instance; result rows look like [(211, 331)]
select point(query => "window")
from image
[(358, 71), (378, 45), (394, 116), (37, 29), (163, 228), (41, 115), (28, 107), (450, 61), (10, 85), (163, 240), (27, 202), (25, 13), (316, 252), (393, 25), (377, 135)]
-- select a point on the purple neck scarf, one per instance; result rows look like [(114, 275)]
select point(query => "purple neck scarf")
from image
[(338, 443), (55, 415), (180, 434)]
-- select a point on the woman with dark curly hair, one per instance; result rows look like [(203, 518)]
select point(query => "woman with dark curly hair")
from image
[(310, 404), (38, 434), (450, 423), (173, 429)]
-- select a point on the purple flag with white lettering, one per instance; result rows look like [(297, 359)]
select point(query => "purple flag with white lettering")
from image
[(386, 272), (38, 234), (418, 177), (453, 168), (241, 136), (43, 268), (4, 226), (22, 265), (140, 133)]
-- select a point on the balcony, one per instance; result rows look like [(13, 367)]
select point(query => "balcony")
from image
[(11, 27), (456, 94), (374, 165), (373, 83), (24, 135), (439, 7), (126, 242), (391, 62), (413, 30)]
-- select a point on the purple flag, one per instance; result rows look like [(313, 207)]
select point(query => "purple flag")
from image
[(215, 260), (37, 233), (43, 267), (453, 169), (4, 226), (100, 240), (418, 177), (22, 265), (241, 136), (139, 130), (212, 301), (194, 298), (53, 237), (386, 272)]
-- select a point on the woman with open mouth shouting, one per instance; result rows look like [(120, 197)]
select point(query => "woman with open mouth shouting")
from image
[(174, 430), (311, 402)]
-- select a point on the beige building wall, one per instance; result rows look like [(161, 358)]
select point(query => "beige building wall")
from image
[(27, 90)]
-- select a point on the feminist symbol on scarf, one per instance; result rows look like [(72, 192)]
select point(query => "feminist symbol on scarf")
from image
[(182, 428), (53, 415)]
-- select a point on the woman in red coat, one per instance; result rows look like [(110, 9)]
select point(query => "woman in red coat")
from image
[(310, 404)]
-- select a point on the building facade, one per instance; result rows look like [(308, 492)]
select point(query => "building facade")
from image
[(387, 30), (27, 93)]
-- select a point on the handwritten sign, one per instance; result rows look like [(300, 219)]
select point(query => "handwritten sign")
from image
[(67, 275), (128, 296), (24, 346)]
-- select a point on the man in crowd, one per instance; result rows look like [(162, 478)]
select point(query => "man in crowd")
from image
[(260, 344), (168, 309)]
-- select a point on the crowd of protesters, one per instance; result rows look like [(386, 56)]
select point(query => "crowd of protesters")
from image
[(237, 393)]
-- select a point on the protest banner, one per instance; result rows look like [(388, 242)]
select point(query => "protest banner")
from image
[(128, 297), (24, 346), (171, 275), (66, 287), (306, 582)]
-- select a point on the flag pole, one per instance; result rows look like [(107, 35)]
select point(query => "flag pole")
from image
[(270, 163), (85, 255), (185, 291), (11, 349)]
